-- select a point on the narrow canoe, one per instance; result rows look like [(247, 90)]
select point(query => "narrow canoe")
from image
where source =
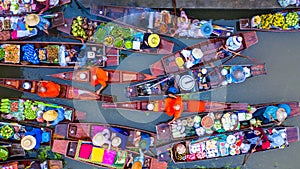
[(16, 164), (84, 151), (165, 46), (279, 22), (8, 32), (168, 64), (66, 91), (18, 130), (86, 54), (192, 81), (189, 106), (158, 21), (225, 144), (128, 137), (197, 125), (31, 9), (114, 76), (13, 109)]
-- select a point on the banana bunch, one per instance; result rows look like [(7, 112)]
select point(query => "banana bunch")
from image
[(292, 19), (5, 106), (278, 20), (266, 21), (77, 28)]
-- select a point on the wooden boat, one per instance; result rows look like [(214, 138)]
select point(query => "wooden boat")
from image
[(225, 144), (50, 54), (189, 105), (100, 33), (66, 91), (114, 76), (13, 27), (160, 21), (13, 109), (16, 164), (284, 21), (25, 8), (205, 124), (114, 158), (12, 132), (192, 81), (168, 63), (129, 138)]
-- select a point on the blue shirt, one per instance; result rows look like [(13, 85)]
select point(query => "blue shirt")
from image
[(37, 134), (270, 111), (60, 117)]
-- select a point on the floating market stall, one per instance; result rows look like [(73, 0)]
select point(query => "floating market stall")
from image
[(285, 21), (161, 21), (117, 36)]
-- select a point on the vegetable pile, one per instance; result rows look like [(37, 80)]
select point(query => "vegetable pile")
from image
[(5, 106), (29, 111), (279, 20), (6, 132)]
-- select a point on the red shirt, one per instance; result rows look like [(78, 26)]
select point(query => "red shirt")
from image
[(170, 103), (52, 89)]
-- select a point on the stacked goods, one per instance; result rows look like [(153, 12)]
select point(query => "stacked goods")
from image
[(5, 106), (29, 110), (83, 28), (6, 132), (278, 20), (292, 19)]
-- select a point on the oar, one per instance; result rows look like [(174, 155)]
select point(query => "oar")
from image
[(246, 157), (174, 6)]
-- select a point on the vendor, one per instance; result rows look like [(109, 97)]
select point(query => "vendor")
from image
[(234, 42), (258, 139), (34, 20), (28, 142), (272, 113), (150, 40), (41, 5), (99, 76), (137, 162), (173, 104), (48, 89), (54, 116), (237, 74)]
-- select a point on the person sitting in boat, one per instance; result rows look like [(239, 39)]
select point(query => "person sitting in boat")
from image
[(270, 114), (150, 40), (234, 42), (137, 162), (173, 104), (257, 139), (35, 141), (99, 76), (182, 24), (54, 116), (237, 74), (40, 5), (48, 89), (34, 20)]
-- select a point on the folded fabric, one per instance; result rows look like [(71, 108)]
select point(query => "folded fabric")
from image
[(85, 151), (97, 154), (109, 157)]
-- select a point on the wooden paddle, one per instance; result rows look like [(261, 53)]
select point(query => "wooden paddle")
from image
[(246, 157)]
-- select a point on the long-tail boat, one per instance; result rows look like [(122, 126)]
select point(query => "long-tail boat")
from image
[(176, 62), (189, 105), (284, 21), (32, 163), (87, 152), (114, 136), (161, 21), (16, 109), (25, 7), (114, 76), (14, 27), (66, 91), (113, 35), (194, 81), (228, 144), (207, 123), (11, 132), (53, 54)]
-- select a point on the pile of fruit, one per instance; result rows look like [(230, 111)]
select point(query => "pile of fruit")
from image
[(5, 106), (29, 111), (278, 20), (292, 19), (83, 28), (6, 132)]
